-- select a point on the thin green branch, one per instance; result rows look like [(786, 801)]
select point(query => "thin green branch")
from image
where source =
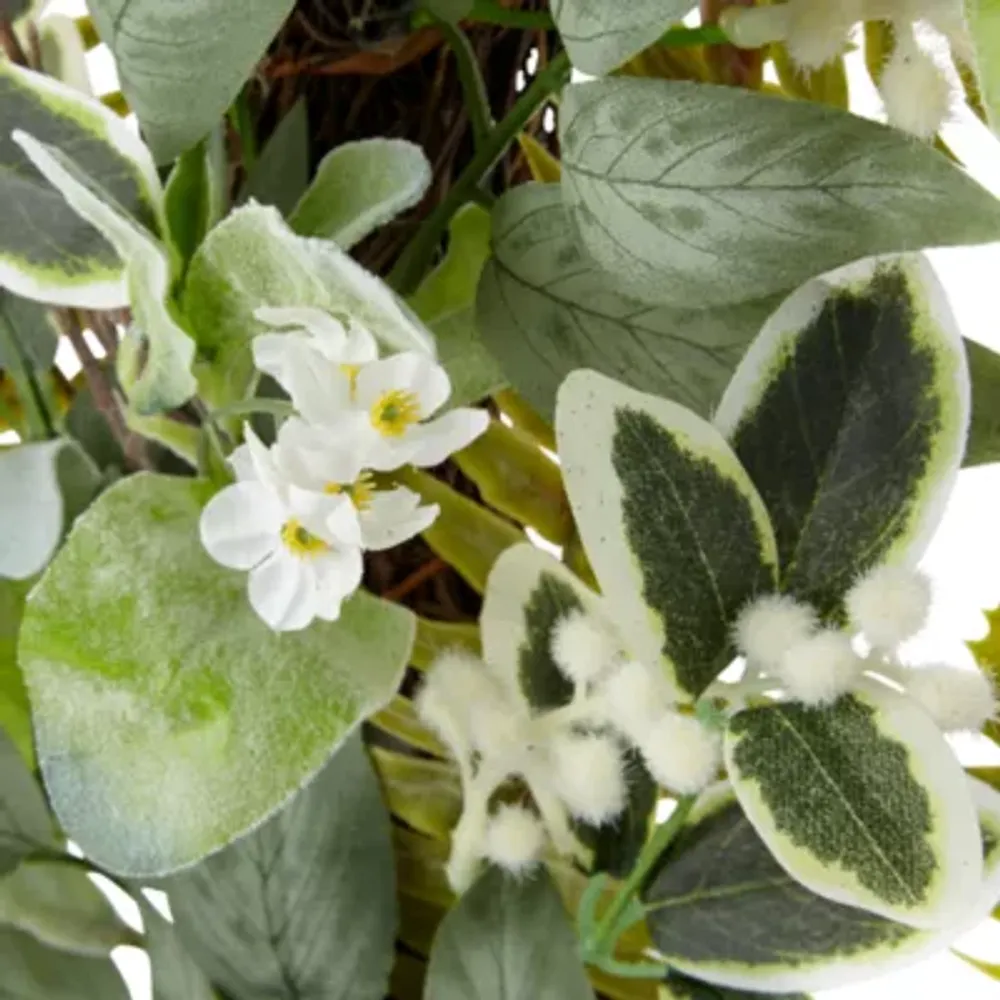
[(477, 102)]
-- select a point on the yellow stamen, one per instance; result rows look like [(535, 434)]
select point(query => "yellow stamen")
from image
[(361, 491), (302, 542), (352, 372), (394, 411)]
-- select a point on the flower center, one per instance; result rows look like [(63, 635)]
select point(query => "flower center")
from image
[(394, 412), (352, 372), (300, 541), (361, 491)]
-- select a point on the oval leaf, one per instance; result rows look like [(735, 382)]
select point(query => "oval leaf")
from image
[(304, 906), (850, 413), (675, 531), (696, 195), (894, 832), (157, 691)]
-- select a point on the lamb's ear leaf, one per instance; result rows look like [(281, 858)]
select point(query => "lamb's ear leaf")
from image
[(894, 833), (850, 413), (674, 529)]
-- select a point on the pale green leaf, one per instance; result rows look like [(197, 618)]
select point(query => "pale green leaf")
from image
[(676, 533), (182, 64), (305, 906), (46, 252), (64, 55), (507, 939), (31, 971), (360, 186), (849, 412), (983, 17), (33, 329), (545, 309), (25, 824), (600, 36), (894, 831), (696, 195), (281, 174), (15, 712), (175, 974), (157, 691)]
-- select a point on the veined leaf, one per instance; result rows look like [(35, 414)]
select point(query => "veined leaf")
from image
[(47, 253), (507, 939), (863, 802), (25, 824), (545, 309), (15, 713), (983, 17), (696, 196), (175, 974), (281, 174), (181, 65), (675, 531), (360, 186), (156, 689), (850, 412), (304, 906)]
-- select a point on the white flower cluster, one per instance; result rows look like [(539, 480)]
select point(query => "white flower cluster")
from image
[(303, 511), (917, 85), (525, 773), (781, 640)]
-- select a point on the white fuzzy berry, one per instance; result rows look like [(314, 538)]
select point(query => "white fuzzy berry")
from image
[(582, 648), (631, 698), (754, 27), (682, 753), (915, 89), (770, 626), (818, 670), (957, 700), (514, 839), (890, 605), (588, 775), (817, 31)]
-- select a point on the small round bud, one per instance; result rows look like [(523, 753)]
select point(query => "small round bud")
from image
[(915, 90), (818, 31), (631, 698), (890, 604), (582, 648), (770, 626), (514, 839), (682, 753), (957, 700), (818, 670), (755, 27), (588, 775)]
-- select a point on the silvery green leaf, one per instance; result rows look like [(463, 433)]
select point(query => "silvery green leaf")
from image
[(676, 533), (15, 712), (175, 974), (850, 413), (600, 36), (305, 906), (156, 689), (360, 186), (281, 174), (165, 381), (182, 64), (696, 195), (545, 308), (25, 824), (895, 832), (47, 253)]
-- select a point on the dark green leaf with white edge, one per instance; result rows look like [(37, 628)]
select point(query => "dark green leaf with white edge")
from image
[(360, 186), (156, 689), (305, 906), (862, 801), (507, 939), (281, 174), (600, 36), (25, 824), (47, 253), (983, 444), (42, 487), (704, 907), (678, 987), (983, 19), (545, 309), (182, 64), (32, 329), (446, 301), (15, 712), (175, 974), (850, 412), (32, 971), (696, 195), (253, 259), (165, 381), (676, 533)]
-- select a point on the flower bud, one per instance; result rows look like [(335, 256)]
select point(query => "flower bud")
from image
[(889, 605), (770, 626), (821, 668), (514, 839), (957, 700)]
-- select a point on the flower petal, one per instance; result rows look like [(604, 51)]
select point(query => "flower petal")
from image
[(403, 371), (432, 386), (321, 391), (282, 591), (329, 516), (338, 575), (239, 526), (301, 317), (383, 454), (313, 455), (362, 347), (434, 441), (393, 517)]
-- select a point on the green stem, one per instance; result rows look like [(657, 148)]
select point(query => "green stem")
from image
[(601, 943), (248, 407), (37, 418), (242, 122), (415, 258), (477, 102), (490, 12)]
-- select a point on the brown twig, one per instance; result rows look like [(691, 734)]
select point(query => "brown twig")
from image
[(428, 571), (11, 44)]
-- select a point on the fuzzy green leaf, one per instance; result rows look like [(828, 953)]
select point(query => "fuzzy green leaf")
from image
[(281, 174), (15, 712), (25, 824), (156, 690), (695, 195)]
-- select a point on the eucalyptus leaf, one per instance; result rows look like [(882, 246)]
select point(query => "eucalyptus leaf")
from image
[(15, 712), (850, 413), (545, 309), (156, 689), (507, 939), (676, 533), (25, 824), (360, 186), (47, 253), (281, 174), (696, 195), (32, 328), (175, 974), (983, 18), (182, 64), (305, 905)]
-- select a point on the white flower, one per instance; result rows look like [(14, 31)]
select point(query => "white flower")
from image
[(890, 604), (917, 93), (514, 839), (682, 753), (633, 698), (819, 669), (957, 700), (583, 648), (770, 626)]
